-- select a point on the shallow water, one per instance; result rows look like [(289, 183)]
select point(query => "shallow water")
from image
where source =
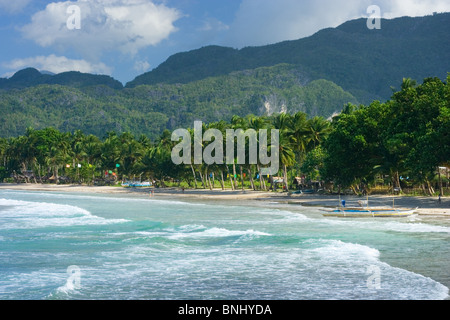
[(77, 246)]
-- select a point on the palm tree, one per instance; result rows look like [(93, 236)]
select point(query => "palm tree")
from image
[(131, 152), (110, 151), (161, 157), (191, 133), (408, 83), (283, 122), (300, 132), (78, 151), (92, 148), (257, 124), (319, 129), (222, 126), (59, 153), (144, 141), (3, 150), (21, 154), (287, 155), (237, 122)]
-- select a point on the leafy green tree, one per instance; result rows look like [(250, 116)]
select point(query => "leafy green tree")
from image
[(348, 150), (313, 163)]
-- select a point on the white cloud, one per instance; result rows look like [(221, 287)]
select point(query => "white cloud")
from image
[(213, 24), (57, 64), (106, 25), (413, 8), (15, 6), (141, 66), (260, 22)]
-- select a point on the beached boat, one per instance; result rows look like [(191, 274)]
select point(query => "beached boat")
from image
[(369, 212), (135, 184), (365, 211)]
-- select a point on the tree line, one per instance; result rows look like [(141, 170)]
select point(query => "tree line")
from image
[(401, 142)]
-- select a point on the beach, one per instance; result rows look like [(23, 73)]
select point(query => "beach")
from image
[(426, 205)]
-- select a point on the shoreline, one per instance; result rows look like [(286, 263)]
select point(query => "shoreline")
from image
[(427, 205)]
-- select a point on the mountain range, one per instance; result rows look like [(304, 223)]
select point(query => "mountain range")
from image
[(364, 62), (317, 75)]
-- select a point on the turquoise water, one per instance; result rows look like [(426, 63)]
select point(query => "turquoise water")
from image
[(140, 248)]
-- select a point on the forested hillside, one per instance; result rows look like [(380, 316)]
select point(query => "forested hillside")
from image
[(364, 62), (149, 109), (30, 77)]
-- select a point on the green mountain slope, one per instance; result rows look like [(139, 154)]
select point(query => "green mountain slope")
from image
[(31, 77), (149, 109), (362, 61)]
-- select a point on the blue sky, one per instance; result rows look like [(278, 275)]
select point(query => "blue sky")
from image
[(125, 38)]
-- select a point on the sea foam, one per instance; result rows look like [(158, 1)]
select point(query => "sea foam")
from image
[(199, 231), (29, 215)]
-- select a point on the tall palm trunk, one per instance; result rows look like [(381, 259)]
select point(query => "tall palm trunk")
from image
[(262, 183), (231, 179), (235, 176), (201, 177), (207, 177), (24, 172), (285, 178), (39, 173), (430, 188), (222, 182), (34, 174), (195, 178), (242, 177), (55, 174), (251, 178)]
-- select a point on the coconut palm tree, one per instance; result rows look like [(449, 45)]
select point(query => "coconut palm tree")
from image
[(319, 128), (237, 122), (257, 124), (300, 132), (283, 122), (110, 151), (287, 155), (59, 153)]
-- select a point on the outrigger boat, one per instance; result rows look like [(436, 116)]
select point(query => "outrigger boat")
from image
[(136, 184), (369, 212)]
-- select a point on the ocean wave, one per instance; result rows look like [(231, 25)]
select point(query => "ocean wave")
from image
[(115, 197), (282, 216), (416, 227), (409, 226), (339, 258), (199, 231), (189, 232), (29, 215), (338, 249)]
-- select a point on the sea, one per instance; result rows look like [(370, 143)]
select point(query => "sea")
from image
[(73, 246)]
